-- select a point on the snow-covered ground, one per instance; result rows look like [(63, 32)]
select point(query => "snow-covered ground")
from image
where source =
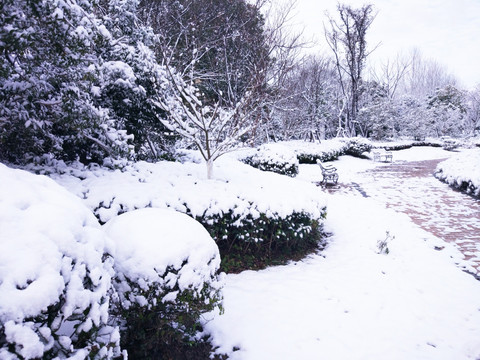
[(349, 301)]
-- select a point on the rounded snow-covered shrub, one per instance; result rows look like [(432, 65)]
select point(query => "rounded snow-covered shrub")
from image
[(55, 273), (274, 157), (327, 150), (166, 277), (356, 146)]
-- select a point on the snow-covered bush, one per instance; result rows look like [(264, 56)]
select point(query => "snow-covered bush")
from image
[(166, 277), (462, 172), (309, 153), (401, 144), (274, 157), (238, 201), (356, 146), (55, 273), (256, 241)]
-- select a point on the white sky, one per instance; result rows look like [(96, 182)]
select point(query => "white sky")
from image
[(447, 31)]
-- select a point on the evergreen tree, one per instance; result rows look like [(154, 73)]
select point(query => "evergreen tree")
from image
[(48, 83)]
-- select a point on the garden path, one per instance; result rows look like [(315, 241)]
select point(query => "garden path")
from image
[(411, 188)]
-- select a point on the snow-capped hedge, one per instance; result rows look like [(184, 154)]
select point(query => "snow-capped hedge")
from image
[(274, 157), (166, 265), (308, 152), (462, 172), (407, 144), (242, 205), (55, 273), (356, 146)]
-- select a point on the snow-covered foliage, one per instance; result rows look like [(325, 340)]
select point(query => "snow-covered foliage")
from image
[(55, 273), (401, 144), (166, 263), (308, 153), (274, 157), (184, 188), (462, 171), (49, 86), (356, 146), (234, 209)]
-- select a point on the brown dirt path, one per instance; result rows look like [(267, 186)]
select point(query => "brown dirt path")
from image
[(411, 188)]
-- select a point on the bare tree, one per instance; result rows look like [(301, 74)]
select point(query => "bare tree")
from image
[(308, 111), (285, 51), (347, 39), (424, 76), (213, 129), (391, 73)]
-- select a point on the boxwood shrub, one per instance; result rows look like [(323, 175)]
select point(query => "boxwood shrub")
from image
[(356, 146), (255, 242), (275, 158), (166, 278)]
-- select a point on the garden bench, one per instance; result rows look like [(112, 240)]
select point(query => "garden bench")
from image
[(329, 173), (382, 155)]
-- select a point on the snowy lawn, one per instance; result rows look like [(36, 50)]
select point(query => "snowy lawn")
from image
[(349, 302)]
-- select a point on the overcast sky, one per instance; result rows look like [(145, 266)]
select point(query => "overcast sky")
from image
[(447, 31)]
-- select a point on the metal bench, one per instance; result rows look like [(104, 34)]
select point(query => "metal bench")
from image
[(382, 155), (329, 173)]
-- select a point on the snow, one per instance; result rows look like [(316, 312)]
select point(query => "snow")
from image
[(184, 187), (149, 241), (50, 246), (460, 169), (349, 301)]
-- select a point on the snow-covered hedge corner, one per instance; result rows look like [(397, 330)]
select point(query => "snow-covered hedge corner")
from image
[(356, 146), (55, 273), (309, 153), (240, 207), (462, 171), (274, 157), (166, 265)]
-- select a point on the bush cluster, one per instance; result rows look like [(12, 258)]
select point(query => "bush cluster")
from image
[(323, 156), (357, 146), (255, 242), (274, 158), (67, 291), (166, 280)]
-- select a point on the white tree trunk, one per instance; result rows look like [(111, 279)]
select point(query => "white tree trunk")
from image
[(209, 169)]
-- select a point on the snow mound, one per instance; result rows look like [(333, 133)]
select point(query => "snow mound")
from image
[(161, 248), (462, 171), (55, 272), (166, 279)]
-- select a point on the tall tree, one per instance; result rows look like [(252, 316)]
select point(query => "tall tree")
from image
[(424, 76), (448, 108), (472, 118), (216, 45), (347, 39)]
